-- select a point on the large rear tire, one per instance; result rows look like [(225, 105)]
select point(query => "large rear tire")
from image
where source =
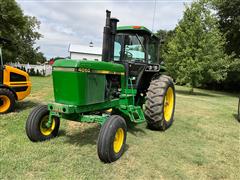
[(112, 139), (7, 101), (36, 127), (160, 103)]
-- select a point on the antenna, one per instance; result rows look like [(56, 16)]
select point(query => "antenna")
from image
[(154, 12)]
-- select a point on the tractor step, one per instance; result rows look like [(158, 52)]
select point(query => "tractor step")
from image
[(136, 114)]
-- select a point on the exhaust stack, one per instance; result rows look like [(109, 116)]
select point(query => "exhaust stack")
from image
[(109, 32)]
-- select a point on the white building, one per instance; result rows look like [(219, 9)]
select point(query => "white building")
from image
[(85, 52), (33, 69)]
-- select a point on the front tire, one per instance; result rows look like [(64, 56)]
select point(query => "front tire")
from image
[(7, 101), (160, 103), (36, 125), (112, 139)]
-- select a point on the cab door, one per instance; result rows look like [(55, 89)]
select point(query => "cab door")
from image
[(133, 56)]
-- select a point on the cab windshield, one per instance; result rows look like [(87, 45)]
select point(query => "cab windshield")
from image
[(132, 47), (129, 47)]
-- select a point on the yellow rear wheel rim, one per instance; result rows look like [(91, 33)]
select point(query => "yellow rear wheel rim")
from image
[(5, 103), (118, 140), (43, 126), (168, 104)]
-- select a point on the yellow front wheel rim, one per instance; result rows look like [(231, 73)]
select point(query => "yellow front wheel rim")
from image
[(118, 140), (168, 104), (43, 126), (5, 103)]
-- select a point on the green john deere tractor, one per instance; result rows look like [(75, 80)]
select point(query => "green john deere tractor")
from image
[(126, 87)]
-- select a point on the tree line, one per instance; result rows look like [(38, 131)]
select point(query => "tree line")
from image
[(22, 31), (204, 48)]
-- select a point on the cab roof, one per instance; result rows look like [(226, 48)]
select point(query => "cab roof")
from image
[(136, 28)]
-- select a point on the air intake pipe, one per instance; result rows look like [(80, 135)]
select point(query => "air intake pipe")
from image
[(109, 33)]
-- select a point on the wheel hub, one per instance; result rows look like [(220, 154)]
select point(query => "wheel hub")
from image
[(118, 140), (44, 126), (5, 103), (168, 104)]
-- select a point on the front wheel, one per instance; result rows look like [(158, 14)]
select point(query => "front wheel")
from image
[(37, 127), (112, 139)]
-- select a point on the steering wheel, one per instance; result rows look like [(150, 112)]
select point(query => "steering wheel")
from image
[(128, 55)]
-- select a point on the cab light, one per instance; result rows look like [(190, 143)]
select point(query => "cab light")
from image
[(136, 27)]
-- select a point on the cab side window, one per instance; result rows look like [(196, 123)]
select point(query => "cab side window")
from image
[(152, 51)]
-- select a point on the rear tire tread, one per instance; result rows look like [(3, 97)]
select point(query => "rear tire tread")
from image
[(155, 103)]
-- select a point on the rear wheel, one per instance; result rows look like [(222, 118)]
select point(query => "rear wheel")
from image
[(37, 127), (7, 101), (112, 139), (160, 103)]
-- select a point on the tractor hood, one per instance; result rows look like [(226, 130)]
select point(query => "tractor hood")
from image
[(82, 82), (88, 65)]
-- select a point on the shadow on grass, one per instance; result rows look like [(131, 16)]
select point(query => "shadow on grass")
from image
[(236, 117), (88, 136), (83, 137), (23, 105), (186, 92), (135, 130), (61, 132), (159, 130), (126, 148)]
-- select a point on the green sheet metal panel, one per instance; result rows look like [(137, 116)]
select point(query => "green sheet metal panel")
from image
[(95, 91), (78, 88), (81, 82)]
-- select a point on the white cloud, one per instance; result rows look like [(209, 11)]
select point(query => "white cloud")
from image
[(79, 22)]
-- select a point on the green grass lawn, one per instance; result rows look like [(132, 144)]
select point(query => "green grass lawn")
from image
[(202, 143)]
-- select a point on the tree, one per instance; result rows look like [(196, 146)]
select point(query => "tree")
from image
[(164, 37), (229, 19), (195, 54), (21, 30)]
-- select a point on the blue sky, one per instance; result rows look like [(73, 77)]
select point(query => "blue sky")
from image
[(81, 21)]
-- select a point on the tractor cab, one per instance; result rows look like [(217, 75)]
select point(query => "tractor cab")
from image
[(136, 44), (136, 47)]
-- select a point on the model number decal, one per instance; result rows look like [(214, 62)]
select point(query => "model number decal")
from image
[(83, 70)]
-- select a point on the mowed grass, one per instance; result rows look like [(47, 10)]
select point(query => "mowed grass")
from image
[(203, 143)]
